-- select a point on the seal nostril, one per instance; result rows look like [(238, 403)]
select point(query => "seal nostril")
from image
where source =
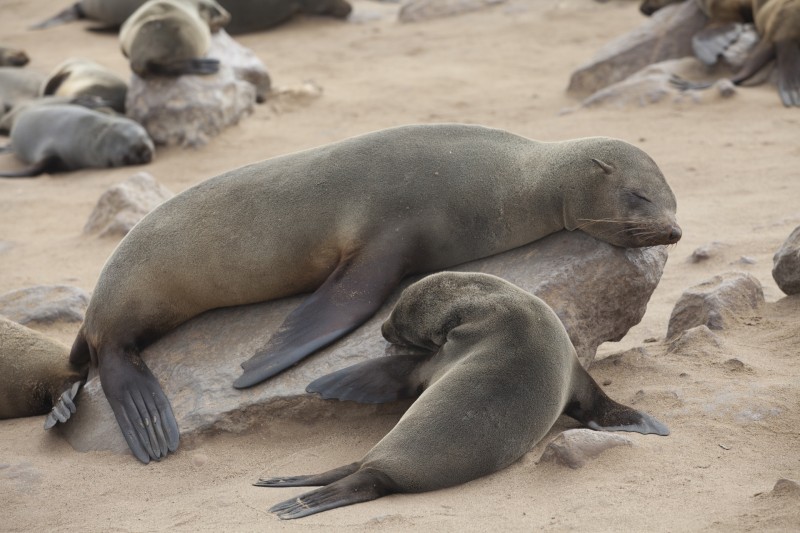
[(675, 234)]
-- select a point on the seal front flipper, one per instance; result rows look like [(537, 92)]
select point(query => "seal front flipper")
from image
[(380, 380), (351, 294), (140, 406), (592, 407), (362, 486), (64, 407), (788, 66)]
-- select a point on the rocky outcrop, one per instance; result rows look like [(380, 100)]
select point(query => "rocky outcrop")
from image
[(44, 304), (786, 264)]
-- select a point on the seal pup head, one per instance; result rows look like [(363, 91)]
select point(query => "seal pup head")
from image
[(128, 144), (619, 195)]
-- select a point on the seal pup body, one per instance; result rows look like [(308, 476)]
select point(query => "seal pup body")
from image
[(36, 375), (71, 137), (348, 221), (18, 85), (256, 15), (499, 371), (78, 77), (172, 37)]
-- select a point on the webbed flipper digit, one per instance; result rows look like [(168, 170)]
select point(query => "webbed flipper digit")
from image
[(64, 407)]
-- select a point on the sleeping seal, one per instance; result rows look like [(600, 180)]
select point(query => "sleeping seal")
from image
[(61, 137), (78, 77), (347, 221), (256, 15), (499, 370)]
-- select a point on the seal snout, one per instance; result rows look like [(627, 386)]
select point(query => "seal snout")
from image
[(675, 234)]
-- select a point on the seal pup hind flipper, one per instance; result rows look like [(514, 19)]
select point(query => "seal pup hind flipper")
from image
[(73, 12)]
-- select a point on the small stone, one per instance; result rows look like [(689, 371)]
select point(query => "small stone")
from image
[(734, 365), (417, 10), (786, 264), (575, 447), (745, 260), (786, 487), (695, 339), (704, 252), (199, 459)]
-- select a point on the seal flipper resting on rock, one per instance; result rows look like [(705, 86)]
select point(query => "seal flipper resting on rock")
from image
[(348, 220), (36, 375), (500, 370)]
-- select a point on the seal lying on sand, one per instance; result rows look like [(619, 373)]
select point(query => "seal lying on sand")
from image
[(18, 85), (256, 15), (36, 375), (11, 57), (348, 221), (69, 137), (499, 371), (110, 13), (172, 37), (78, 77)]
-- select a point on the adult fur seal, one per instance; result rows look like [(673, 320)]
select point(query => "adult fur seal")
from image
[(109, 13), (69, 137), (172, 37), (36, 375), (499, 371), (347, 220), (256, 15), (78, 77)]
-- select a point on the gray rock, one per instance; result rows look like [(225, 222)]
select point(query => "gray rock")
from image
[(44, 304), (666, 35), (574, 447), (786, 264), (689, 342), (786, 488), (716, 303), (124, 204), (416, 10), (189, 110), (599, 291), (707, 251), (653, 84)]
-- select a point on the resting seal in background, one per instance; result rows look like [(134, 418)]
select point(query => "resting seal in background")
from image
[(256, 15), (69, 137), (110, 13), (348, 221), (11, 57), (499, 370), (172, 37), (36, 375), (79, 77)]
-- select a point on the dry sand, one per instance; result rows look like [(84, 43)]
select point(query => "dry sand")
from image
[(733, 165)]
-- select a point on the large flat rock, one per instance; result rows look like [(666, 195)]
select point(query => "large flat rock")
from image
[(599, 291)]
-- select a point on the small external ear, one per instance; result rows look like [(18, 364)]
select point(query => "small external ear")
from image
[(608, 169)]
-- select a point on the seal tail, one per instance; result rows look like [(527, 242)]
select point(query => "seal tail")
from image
[(593, 408), (73, 12), (381, 380), (362, 486), (314, 480)]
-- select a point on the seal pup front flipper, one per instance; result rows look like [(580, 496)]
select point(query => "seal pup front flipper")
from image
[(361, 486), (352, 293), (593, 408), (73, 12), (381, 380)]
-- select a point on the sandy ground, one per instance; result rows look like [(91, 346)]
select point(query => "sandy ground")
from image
[(733, 165)]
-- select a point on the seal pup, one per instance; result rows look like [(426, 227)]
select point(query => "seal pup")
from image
[(18, 85), (256, 15), (172, 37), (78, 77), (56, 138), (11, 57), (347, 221), (7, 120), (36, 375), (499, 370), (109, 13), (778, 25)]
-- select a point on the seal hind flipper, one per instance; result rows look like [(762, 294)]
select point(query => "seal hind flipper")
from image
[(362, 486), (314, 480), (350, 295), (37, 169), (64, 407), (593, 408), (140, 406), (711, 42), (73, 12), (197, 65), (788, 65), (381, 380)]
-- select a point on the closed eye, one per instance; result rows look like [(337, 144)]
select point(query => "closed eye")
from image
[(641, 197)]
